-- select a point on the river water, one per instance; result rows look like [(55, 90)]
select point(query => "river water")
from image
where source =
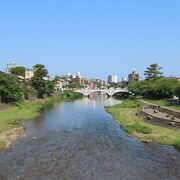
[(78, 140)]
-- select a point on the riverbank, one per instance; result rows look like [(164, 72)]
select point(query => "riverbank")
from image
[(162, 102), (11, 118), (125, 114)]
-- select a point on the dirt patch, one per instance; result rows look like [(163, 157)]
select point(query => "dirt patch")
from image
[(11, 136)]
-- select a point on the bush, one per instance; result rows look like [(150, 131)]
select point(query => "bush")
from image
[(10, 90), (71, 95)]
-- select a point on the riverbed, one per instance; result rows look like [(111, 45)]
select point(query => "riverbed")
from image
[(79, 140)]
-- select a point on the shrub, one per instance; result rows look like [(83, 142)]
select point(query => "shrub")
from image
[(10, 90)]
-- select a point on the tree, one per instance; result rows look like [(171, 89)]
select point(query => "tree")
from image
[(19, 71), (158, 88), (50, 87), (10, 89), (40, 71), (37, 80), (153, 72)]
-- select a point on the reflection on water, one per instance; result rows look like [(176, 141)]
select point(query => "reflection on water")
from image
[(98, 96), (79, 140)]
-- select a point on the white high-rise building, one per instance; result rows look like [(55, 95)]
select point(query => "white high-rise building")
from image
[(112, 79)]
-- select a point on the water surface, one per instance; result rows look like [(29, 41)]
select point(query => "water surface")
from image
[(78, 140)]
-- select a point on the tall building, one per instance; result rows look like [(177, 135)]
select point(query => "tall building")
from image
[(99, 81), (112, 79), (134, 76)]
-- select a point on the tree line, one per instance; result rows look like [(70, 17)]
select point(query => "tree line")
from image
[(12, 90), (155, 84)]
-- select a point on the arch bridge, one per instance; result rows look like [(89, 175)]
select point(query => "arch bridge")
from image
[(110, 92)]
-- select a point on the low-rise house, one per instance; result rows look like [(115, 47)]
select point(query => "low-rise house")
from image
[(29, 73), (60, 84)]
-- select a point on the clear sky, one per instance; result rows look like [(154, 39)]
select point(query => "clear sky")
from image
[(95, 37)]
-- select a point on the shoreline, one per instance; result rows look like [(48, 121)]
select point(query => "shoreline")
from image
[(126, 115), (12, 118)]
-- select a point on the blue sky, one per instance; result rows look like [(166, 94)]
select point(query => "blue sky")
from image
[(95, 37)]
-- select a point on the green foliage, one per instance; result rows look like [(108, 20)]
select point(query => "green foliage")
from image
[(69, 95), (138, 128), (153, 71), (29, 92), (50, 87), (10, 89), (42, 86), (158, 88), (19, 71), (75, 85), (40, 71)]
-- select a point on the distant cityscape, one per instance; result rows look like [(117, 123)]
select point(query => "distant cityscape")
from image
[(80, 79), (65, 79)]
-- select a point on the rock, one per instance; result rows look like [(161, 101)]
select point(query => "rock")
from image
[(172, 124), (155, 111), (34, 138)]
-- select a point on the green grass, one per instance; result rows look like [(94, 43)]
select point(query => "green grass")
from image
[(163, 102), (129, 104), (2, 144), (135, 125), (177, 144)]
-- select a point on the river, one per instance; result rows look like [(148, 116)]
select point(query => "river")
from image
[(79, 140)]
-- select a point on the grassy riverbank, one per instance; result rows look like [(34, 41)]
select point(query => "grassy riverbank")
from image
[(163, 102), (12, 117), (125, 114)]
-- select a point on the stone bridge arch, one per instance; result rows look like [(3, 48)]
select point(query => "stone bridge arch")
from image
[(87, 92)]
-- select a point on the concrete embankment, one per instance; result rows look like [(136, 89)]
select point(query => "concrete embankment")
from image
[(160, 115)]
